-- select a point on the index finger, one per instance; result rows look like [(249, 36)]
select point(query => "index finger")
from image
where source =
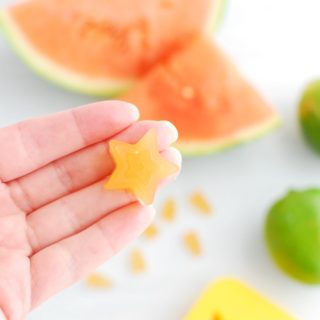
[(31, 144)]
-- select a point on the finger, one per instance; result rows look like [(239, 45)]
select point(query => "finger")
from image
[(2, 316), (65, 262), (174, 156), (14, 284), (81, 168), (75, 212), (29, 145)]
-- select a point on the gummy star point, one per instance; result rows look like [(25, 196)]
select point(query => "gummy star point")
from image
[(139, 167)]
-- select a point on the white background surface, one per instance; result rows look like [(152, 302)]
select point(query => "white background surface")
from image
[(276, 45)]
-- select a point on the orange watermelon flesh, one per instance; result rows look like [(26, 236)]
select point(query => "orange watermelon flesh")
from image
[(118, 39), (201, 92)]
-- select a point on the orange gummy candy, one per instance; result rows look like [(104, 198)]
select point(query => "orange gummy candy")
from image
[(151, 232), (139, 168), (192, 243), (99, 281), (169, 210), (198, 201), (137, 262)]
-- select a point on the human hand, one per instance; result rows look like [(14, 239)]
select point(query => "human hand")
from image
[(57, 222)]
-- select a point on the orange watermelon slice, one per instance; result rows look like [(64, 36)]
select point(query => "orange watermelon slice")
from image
[(100, 47), (202, 93)]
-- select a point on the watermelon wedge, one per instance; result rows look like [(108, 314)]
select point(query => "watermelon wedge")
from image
[(100, 47), (202, 93)]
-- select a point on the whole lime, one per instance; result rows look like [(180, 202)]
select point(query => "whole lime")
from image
[(292, 233), (309, 114)]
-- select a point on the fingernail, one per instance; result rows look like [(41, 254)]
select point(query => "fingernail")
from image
[(172, 128), (134, 110)]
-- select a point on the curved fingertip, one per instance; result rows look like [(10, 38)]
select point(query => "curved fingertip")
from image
[(145, 214), (137, 215), (173, 130), (173, 155), (107, 106), (166, 132), (102, 120), (131, 109), (126, 224)]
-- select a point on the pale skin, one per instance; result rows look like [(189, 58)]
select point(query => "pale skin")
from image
[(57, 222)]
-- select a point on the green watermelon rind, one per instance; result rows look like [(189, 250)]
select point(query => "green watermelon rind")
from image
[(76, 82), (104, 87), (218, 11), (206, 147)]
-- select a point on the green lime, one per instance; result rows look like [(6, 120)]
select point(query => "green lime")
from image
[(292, 233), (309, 114)]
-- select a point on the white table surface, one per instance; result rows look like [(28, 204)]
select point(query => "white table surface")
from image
[(276, 44)]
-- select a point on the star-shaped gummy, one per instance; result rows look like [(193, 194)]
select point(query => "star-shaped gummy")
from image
[(139, 168)]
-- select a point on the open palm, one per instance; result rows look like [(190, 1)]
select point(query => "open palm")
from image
[(56, 221)]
